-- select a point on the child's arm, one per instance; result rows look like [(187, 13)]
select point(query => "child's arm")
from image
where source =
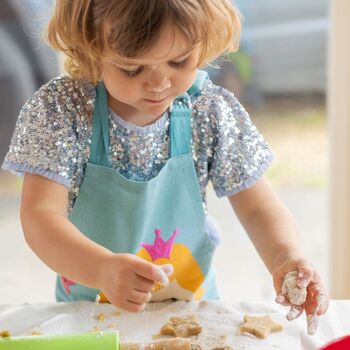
[(125, 279), (268, 223), (274, 233)]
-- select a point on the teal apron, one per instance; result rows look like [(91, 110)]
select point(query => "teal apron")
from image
[(161, 220)]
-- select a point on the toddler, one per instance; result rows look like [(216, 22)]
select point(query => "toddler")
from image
[(117, 154)]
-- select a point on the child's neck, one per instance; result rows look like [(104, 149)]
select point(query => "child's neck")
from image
[(140, 121), (131, 114)]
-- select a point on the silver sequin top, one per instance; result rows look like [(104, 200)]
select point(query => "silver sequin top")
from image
[(53, 135)]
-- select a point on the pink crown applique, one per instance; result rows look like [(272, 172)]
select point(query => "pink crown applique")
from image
[(160, 249)]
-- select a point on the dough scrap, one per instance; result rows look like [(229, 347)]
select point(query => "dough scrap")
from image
[(183, 327), (259, 326)]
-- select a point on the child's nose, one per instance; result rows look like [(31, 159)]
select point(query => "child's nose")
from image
[(157, 82)]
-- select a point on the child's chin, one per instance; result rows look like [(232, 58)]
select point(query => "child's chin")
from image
[(157, 110)]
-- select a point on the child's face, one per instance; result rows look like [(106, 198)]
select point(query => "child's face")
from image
[(145, 87)]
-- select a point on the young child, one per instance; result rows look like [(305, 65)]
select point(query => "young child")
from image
[(116, 157)]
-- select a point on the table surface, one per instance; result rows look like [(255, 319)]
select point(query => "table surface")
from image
[(217, 318)]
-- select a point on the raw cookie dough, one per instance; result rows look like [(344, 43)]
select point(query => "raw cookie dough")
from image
[(295, 294), (184, 327), (163, 344), (211, 343), (5, 334), (260, 327)]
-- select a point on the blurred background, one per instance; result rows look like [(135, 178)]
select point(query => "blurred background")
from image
[(280, 76)]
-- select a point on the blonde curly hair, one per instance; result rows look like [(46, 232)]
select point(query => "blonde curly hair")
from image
[(84, 29)]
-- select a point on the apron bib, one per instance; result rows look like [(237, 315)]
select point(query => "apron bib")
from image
[(161, 220)]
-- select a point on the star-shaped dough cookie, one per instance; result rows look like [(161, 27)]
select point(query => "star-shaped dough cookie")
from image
[(260, 327), (182, 326)]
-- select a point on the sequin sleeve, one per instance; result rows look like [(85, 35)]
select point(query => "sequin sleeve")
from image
[(241, 155), (45, 137)]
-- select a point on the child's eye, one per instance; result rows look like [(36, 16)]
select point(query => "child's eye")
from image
[(178, 65), (133, 73)]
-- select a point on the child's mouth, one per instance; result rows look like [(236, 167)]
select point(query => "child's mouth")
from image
[(155, 101)]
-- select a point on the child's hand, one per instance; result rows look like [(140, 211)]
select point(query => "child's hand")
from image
[(317, 299), (127, 280)]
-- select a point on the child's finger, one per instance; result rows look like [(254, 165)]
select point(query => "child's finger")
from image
[(294, 312), (168, 269), (305, 273), (321, 295), (162, 276), (316, 305), (282, 300), (311, 300), (318, 300), (312, 323), (151, 272), (138, 297), (322, 303), (132, 307), (143, 284)]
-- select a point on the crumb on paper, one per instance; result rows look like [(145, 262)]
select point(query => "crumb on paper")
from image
[(5, 334), (116, 314), (95, 329), (36, 332), (101, 316), (259, 326), (112, 325), (222, 310)]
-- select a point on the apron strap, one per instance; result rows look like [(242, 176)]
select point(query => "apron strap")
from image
[(198, 84), (180, 126), (180, 119), (100, 128)]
